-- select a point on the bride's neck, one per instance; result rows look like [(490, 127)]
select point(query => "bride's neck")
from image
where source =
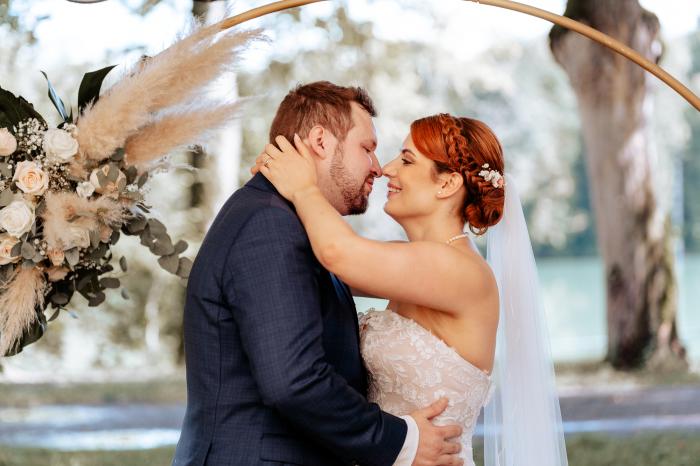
[(434, 228)]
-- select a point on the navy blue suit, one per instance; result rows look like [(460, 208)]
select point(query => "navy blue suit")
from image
[(274, 373)]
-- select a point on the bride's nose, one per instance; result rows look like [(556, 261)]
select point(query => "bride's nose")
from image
[(388, 170)]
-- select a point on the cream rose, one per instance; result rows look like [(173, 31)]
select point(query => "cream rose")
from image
[(85, 189), (77, 237), (17, 218), (30, 178), (8, 143), (111, 188), (7, 242), (59, 145), (56, 256)]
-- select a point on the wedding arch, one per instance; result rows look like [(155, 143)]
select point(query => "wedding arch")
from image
[(592, 33)]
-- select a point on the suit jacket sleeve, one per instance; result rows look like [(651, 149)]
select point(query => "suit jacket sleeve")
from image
[(273, 291)]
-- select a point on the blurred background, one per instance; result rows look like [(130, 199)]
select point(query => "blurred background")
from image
[(608, 166)]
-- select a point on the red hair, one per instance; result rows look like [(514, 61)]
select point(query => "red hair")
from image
[(464, 145)]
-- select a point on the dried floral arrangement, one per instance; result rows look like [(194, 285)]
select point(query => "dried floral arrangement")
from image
[(68, 193)]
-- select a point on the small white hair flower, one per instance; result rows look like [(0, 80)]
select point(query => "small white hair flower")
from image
[(494, 176)]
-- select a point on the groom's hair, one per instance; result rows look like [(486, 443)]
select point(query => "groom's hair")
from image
[(319, 103)]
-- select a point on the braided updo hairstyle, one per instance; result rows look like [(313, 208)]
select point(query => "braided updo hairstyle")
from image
[(464, 145)]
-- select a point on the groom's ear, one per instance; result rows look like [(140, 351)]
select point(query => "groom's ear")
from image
[(317, 140)]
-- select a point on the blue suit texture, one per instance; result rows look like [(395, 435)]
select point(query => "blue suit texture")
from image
[(274, 372)]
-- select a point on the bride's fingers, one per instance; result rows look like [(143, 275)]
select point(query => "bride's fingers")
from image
[(302, 147), (451, 448), (285, 145), (272, 151), (450, 431), (450, 460)]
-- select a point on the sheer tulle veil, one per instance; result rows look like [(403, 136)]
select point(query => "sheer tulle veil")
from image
[(522, 421)]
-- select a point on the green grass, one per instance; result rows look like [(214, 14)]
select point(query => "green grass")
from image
[(37, 457), (664, 449), (648, 449)]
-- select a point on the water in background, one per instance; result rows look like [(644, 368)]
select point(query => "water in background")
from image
[(574, 297)]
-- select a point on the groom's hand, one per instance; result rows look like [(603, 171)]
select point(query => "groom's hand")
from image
[(437, 445)]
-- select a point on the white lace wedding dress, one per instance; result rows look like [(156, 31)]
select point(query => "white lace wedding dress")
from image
[(410, 368)]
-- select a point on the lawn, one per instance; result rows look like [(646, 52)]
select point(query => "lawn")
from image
[(584, 450)]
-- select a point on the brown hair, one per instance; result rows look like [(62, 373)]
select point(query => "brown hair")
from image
[(464, 145), (319, 103)]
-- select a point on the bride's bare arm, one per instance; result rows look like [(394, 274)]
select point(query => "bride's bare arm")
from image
[(424, 273)]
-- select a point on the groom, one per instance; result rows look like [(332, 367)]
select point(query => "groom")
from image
[(274, 373)]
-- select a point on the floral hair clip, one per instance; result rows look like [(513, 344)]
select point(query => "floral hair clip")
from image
[(493, 176)]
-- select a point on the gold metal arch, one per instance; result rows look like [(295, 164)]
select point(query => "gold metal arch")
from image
[(563, 21)]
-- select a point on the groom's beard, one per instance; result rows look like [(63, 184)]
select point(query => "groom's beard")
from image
[(354, 197)]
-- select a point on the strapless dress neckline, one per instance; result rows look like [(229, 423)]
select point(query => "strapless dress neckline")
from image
[(439, 341)]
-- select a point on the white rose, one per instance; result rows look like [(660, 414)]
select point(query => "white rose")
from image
[(59, 146), (110, 188), (8, 143), (17, 218), (30, 178), (85, 189), (7, 242), (77, 237)]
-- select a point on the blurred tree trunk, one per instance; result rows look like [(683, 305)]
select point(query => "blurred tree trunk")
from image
[(634, 233)]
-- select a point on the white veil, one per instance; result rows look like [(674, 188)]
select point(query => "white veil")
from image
[(522, 421)]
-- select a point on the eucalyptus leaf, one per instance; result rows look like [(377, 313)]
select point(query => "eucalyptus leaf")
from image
[(184, 267), (131, 173), (101, 178), (114, 238), (28, 250), (125, 294), (40, 208), (89, 91), (97, 299), (169, 263), (180, 247), (142, 179), (136, 225), (16, 249), (157, 227), (57, 102), (163, 246), (112, 173), (5, 170), (118, 155), (28, 264), (60, 299), (122, 264), (110, 282), (72, 256), (6, 197)]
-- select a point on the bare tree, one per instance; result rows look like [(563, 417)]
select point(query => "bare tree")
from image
[(633, 230)]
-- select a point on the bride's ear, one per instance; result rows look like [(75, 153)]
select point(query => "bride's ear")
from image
[(317, 140), (450, 183)]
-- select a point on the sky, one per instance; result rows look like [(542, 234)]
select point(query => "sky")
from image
[(90, 29)]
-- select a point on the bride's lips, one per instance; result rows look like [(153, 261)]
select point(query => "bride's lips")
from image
[(393, 190)]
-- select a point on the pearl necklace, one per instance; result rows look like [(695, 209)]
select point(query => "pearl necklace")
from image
[(455, 238)]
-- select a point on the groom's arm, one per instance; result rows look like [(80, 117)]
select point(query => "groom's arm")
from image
[(274, 293)]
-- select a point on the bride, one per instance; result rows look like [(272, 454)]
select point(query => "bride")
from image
[(440, 335)]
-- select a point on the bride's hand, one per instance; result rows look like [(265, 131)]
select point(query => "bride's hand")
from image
[(291, 170)]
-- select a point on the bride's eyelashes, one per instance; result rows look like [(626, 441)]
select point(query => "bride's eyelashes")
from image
[(406, 162)]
